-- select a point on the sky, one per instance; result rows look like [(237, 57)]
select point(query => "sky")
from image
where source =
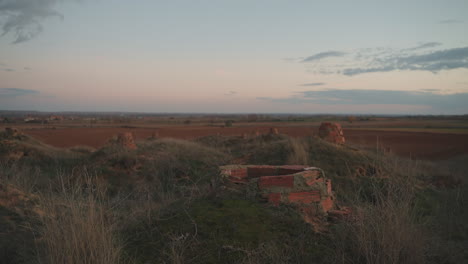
[(236, 56)]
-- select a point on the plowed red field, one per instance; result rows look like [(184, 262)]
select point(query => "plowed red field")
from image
[(414, 144)]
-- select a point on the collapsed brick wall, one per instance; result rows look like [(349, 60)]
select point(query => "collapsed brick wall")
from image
[(303, 186), (11, 132), (332, 132), (126, 140)]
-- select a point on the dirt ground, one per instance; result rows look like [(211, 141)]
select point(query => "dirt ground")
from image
[(432, 146)]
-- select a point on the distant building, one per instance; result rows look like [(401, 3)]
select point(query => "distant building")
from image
[(30, 119), (55, 118)]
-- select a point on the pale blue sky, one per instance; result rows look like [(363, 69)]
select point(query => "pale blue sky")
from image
[(234, 56)]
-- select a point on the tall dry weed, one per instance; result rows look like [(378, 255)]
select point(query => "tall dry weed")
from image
[(78, 224), (299, 154), (383, 230)]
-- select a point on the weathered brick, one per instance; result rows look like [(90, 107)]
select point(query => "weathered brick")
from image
[(332, 132), (308, 190), (329, 187), (339, 215), (238, 173), (125, 140), (312, 177), (286, 181), (327, 204), (304, 197)]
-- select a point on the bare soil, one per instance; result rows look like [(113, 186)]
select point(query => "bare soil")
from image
[(421, 145)]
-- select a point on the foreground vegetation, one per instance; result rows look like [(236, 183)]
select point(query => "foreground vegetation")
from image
[(164, 203)]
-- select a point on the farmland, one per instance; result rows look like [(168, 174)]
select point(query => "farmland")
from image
[(425, 139)]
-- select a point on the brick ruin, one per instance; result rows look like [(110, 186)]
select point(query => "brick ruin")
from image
[(302, 186), (331, 132), (273, 131), (11, 132), (126, 140)]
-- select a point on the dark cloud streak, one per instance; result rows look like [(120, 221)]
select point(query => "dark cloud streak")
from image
[(434, 62), (324, 55), (23, 18), (312, 84), (426, 45), (15, 92)]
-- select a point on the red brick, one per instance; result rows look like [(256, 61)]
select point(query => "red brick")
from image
[(304, 197), (339, 215), (329, 187), (238, 173), (274, 198), (312, 177), (332, 132), (327, 204), (286, 181)]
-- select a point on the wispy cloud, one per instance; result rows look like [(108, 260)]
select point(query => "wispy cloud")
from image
[(15, 92), (444, 102), (22, 18), (312, 84), (423, 57), (8, 70), (450, 21), (323, 55), (426, 45), (231, 93), (434, 62)]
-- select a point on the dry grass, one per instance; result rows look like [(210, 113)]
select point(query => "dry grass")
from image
[(25, 178), (82, 219), (78, 226), (383, 230), (299, 154)]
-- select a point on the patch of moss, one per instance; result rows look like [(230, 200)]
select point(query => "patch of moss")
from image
[(222, 231)]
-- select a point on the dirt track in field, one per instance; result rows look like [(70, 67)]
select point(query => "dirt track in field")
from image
[(415, 144)]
